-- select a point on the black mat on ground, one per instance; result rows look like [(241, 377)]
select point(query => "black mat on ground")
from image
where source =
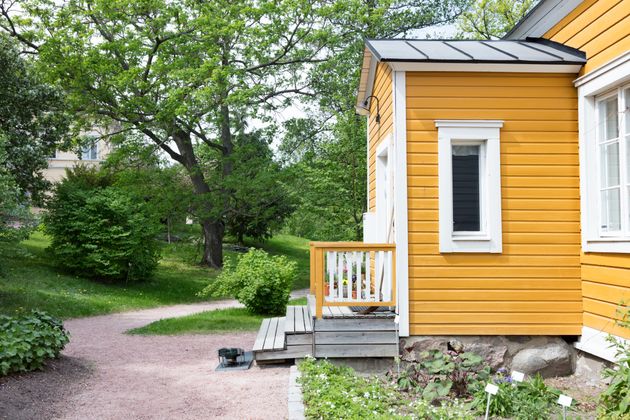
[(362, 308), (243, 362)]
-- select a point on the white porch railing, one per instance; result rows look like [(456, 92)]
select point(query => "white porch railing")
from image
[(352, 274)]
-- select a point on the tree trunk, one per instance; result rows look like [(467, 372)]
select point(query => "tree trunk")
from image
[(213, 232)]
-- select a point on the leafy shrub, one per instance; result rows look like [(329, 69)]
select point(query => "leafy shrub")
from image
[(438, 374), (260, 282), (27, 341), (335, 392), (615, 400), (530, 400), (99, 230)]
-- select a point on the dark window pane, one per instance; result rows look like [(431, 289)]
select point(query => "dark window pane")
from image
[(466, 211)]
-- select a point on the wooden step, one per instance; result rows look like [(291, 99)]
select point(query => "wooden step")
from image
[(298, 320), (271, 335)]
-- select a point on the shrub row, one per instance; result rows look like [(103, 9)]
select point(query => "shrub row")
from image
[(26, 342)]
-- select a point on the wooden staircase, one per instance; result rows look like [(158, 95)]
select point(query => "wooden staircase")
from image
[(341, 333)]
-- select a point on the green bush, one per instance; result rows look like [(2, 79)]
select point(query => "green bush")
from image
[(614, 402), (260, 282), (27, 341), (99, 230)]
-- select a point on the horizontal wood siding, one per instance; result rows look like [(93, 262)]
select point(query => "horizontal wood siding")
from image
[(600, 28), (383, 90), (534, 286), (605, 285)]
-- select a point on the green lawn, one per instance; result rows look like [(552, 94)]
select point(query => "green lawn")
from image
[(32, 282), (217, 321)]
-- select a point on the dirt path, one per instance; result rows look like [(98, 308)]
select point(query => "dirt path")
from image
[(107, 374)]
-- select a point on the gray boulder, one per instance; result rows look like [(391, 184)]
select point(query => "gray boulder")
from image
[(555, 358)]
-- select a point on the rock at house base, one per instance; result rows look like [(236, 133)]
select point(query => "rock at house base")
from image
[(549, 356)]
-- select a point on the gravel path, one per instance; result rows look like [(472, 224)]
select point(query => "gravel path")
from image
[(107, 374)]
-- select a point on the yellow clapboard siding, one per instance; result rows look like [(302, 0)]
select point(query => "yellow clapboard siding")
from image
[(471, 260), (510, 283), (496, 317), (605, 324), (494, 295), (540, 181), (607, 29), (492, 103), (496, 329), (607, 275), (605, 292), (611, 260), (538, 271), (608, 54), (497, 306), (577, 26), (605, 309), (504, 114), (493, 272)]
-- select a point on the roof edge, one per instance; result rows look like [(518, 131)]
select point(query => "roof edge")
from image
[(544, 16)]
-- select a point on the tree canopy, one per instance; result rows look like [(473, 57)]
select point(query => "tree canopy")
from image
[(491, 19)]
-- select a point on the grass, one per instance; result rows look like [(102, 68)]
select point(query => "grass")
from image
[(29, 280), (209, 322)]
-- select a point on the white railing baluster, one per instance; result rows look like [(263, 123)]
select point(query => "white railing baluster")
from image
[(388, 277), (368, 269), (357, 260), (330, 264), (349, 274), (340, 276)]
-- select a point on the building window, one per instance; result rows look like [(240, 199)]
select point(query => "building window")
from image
[(612, 135), (90, 150), (469, 186)]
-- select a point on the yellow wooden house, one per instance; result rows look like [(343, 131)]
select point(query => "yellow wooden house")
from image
[(498, 191)]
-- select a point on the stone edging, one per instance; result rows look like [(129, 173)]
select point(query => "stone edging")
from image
[(296, 404)]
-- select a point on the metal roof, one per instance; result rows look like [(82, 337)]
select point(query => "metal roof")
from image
[(530, 51)]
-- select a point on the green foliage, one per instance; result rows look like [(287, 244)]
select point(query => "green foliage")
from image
[(26, 342), (614, 402), (530, 400), (438, 375), (337, 392), (100, 231), (256, 198), (491, 19), (260, 282)]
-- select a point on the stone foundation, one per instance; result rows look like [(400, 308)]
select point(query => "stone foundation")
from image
[(548, 356)]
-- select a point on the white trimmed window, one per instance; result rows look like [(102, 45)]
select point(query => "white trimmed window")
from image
[(612, 134), (605, 157), (469, 186), (90, 150)]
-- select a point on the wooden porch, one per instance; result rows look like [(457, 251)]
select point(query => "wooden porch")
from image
[(346, 279)]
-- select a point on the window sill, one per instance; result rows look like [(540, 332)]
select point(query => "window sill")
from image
[(471, 238), (611, 245)]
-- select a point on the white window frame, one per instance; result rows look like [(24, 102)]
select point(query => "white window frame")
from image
[(86, 149), (471, 132), (595, 86)]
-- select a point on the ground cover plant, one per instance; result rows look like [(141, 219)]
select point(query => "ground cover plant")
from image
[(30, 280), (257, 280), (209, 322), (27, 341), (337, 392)]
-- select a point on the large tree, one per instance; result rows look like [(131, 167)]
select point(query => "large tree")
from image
[(178, 71), (32, 125), (329, 144)]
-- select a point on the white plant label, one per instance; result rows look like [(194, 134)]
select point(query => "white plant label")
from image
[(565, 400), (492, 389), (518, 376)]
